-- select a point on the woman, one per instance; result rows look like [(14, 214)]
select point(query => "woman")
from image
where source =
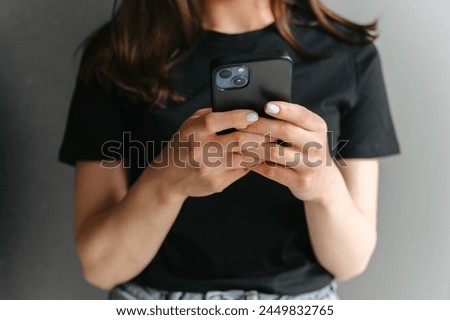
[(237, 231)]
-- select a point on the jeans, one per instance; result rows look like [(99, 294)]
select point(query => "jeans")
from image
[(131, 291)]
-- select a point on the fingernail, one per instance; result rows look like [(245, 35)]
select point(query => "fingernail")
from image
[(251, 117), (272, 108)]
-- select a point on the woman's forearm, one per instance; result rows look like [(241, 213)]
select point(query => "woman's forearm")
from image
[(117, 244), (343, 237)]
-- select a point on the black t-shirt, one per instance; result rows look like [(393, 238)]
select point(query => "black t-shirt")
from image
[(253, 235)]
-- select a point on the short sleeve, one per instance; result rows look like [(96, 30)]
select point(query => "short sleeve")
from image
[(367, 128), (95, 118)]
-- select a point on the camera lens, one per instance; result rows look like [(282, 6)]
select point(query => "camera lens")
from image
[(240, 81), (225, 74)]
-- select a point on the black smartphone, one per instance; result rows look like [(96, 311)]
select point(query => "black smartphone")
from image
[(250, 81)]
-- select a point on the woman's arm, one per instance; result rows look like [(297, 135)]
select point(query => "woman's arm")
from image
[(342, 222), (119, 231), (340, 201)]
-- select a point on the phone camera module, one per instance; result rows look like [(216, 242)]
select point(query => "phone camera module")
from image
[(240, 81), (225, 74), (232, 77)]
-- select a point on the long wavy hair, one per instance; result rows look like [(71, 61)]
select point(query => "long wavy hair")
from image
[(135, 52)]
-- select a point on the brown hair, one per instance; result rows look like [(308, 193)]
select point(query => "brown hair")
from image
[(135, 52)]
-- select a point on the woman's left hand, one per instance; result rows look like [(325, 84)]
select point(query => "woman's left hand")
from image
[(302, 162)]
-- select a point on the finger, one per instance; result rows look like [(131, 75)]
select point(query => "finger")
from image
[(245, 146), (281, 130), (242, 140), (218, 121), (278, 173), (201, 112), (237, 142), (231, 161), (278, 155), (241, 161), (297, 115)]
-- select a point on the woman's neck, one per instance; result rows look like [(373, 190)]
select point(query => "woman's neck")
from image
[(236, 16)]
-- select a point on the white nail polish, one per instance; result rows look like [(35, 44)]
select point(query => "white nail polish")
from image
[(251, 116), (272, 108)]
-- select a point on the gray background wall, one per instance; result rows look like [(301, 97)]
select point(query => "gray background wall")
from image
[(37, 254)]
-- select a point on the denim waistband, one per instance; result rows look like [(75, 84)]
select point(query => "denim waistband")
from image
[(132, 291)]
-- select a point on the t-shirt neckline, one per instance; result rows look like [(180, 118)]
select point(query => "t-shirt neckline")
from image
[(237, 37)]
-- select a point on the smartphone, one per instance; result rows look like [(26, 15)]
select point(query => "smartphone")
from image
[(250, 81)]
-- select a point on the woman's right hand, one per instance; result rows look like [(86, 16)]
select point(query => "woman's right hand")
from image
[(198, 162), (120, 230)]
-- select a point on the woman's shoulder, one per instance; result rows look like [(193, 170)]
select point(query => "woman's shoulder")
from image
[(338, 37)]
